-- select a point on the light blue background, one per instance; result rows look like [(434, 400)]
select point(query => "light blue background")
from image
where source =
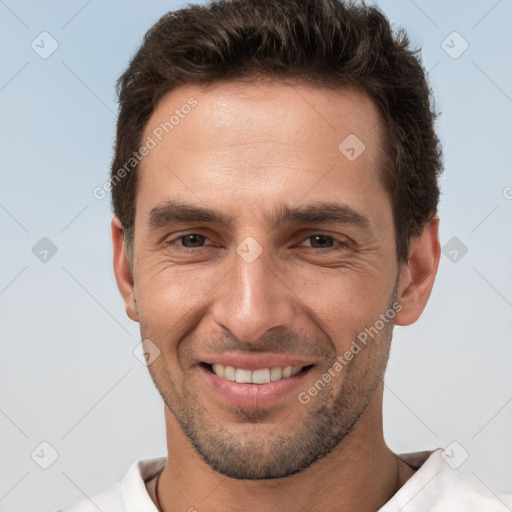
[(67, 372)]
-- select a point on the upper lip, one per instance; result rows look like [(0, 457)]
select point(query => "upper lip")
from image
[(256, 361)]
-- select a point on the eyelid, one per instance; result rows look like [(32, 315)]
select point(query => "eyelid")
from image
[(177, 237), (340, 240)]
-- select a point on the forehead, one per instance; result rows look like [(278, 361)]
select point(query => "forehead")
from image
[(262, 142), (272, 111)]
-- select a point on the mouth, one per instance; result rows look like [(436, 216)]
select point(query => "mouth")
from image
[(259, 376), (253, 381)]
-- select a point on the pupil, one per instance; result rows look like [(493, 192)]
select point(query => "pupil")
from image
[(323, 238), (195, 239)]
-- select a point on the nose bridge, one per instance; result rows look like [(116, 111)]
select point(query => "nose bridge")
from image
[(252, 299)]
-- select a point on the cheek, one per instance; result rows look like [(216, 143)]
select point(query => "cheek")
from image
[(167, 289), (343, 301), (170, 300)]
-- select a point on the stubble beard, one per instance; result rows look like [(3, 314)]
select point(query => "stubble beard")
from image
[(256, 450)]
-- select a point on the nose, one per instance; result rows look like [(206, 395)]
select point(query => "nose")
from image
[(253, 298)]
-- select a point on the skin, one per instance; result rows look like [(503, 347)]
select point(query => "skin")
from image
[(246, 150)]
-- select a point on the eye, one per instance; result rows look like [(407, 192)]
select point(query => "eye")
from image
[(189, 240), (321, 241)]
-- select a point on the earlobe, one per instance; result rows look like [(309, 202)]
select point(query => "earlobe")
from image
[(418, 274), (122, 270)]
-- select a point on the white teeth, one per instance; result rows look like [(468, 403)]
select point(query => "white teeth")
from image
[(261, 376), (276, 374), (287, 372), (243, 376), (219, 370), (229, 373)]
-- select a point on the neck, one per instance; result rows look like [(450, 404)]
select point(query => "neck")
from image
[(362, 474)]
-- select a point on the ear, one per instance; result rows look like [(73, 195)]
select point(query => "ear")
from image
[(417, 275), (122, 270)]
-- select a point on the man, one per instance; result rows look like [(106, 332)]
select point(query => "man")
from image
[(275, 192)]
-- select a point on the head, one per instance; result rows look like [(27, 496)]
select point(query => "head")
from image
[(275, 191)]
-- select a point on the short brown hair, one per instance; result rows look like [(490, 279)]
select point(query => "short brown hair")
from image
[(320, 42)]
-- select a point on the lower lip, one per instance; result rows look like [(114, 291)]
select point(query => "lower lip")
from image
[(252, 395)]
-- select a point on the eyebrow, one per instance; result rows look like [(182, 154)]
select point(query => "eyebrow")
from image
[(169, 212)]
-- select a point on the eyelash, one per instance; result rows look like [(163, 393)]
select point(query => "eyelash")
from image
[(342, 244)]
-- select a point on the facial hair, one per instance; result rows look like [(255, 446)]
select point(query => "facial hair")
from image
[(247, 452)]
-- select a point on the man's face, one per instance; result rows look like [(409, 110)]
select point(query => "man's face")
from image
[(283, 284)]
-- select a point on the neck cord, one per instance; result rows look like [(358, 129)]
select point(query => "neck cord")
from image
[(158, 506)]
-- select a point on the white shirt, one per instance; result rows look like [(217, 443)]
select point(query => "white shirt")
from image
[(434, 487)]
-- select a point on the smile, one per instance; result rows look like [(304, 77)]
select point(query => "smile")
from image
[(260, 376), (253, 380)]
